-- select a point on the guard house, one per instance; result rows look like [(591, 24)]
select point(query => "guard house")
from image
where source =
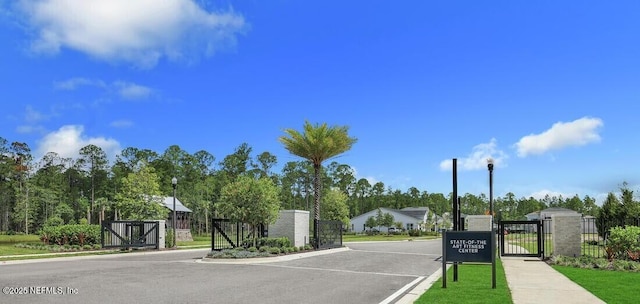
[(183, 219)]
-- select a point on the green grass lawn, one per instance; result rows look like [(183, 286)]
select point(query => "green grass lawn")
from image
[(8, 242), (383, 237), (473, 286), (198, 241), (610, 286)]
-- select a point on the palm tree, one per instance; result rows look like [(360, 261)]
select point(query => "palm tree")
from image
[(317, 143)]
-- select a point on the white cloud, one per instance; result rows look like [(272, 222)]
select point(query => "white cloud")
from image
[(140, 32), (121, 124), (68, 140), (129, 90), (124, 89), (25, 129), (561, 135), (477, 159), (76, 82), (32, 115)]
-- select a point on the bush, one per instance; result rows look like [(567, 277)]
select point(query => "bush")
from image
[(83, 221), (71, 235), (624, 243), (415, 232), (168, 239), (274, 250), (252, 249), (264, 249)]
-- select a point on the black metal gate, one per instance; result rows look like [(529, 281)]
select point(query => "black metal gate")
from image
[(127, 234), (329, 234), (521, 238), (228, 235)]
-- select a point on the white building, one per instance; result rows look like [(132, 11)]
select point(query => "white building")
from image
[(410, 217)]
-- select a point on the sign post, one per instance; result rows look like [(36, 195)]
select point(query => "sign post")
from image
[(468, 246)]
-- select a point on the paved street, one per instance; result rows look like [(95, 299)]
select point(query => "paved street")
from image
[(366, 273)]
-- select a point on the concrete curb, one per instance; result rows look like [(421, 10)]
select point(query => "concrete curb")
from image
[(95, 256), (421, 288), (284, 258)]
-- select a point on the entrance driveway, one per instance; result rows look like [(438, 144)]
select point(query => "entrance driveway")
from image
[(366, 273)]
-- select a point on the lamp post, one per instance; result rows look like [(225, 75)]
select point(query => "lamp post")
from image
[(493, 234), (174, 183), (490, 167)]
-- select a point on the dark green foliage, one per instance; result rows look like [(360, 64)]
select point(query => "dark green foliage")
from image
[(281, 242), (624, 243), (71, 235), (54, 221), (168, 240)]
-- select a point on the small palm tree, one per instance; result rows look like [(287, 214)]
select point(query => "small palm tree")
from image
[(317, 143)]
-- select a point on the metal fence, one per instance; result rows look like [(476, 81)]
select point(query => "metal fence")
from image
[(329, 234), (595, 234), (594, 237), (127, 234), (227, 235)]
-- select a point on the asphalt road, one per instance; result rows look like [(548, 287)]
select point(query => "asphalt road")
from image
[(366, 273)]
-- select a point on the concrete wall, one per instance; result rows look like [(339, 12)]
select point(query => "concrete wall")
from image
[(567, 234), (292, 224), (183, 235), (162, 234), (479, 222)]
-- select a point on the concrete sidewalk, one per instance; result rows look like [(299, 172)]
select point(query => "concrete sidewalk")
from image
[(534, 281)]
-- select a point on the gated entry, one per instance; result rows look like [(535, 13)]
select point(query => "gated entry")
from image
[(127, 234), (329, 234), (228, 235), (521, 238)]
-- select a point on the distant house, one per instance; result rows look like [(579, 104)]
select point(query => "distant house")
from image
[(410, 217), (183, 218)]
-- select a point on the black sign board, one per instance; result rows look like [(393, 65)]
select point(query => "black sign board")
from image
[(468, 246)]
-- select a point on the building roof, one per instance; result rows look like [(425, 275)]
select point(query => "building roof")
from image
[(557, 209), (415, 212), (168, 202)]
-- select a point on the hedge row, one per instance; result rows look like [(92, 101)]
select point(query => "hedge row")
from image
[(71, 235)]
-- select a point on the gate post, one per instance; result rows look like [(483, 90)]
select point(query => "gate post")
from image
[(162, 234), (567, 234)]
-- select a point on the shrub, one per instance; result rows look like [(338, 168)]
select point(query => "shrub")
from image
[(295, 249), (252, 249), (415, 232), (264, 249), (87, 247), (71, 235), (83, 221), (168, 239), (623, 242), (308, 247), (274, 250), (97, 246), (592, 242)]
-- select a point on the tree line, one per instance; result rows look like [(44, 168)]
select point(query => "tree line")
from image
[(91, 187)]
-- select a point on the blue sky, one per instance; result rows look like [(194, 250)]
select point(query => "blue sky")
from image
[(549, 89)]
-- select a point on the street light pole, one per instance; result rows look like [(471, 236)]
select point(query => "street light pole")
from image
[(490, 167), (174, 183), (493, 234)]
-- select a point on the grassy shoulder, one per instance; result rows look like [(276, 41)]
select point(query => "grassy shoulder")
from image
[(609, 286), (473, 286)]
